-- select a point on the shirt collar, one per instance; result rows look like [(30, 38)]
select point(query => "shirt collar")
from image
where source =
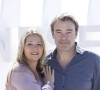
[(78, 50)]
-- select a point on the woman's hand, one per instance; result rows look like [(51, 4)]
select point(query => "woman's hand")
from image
[(49, 74)]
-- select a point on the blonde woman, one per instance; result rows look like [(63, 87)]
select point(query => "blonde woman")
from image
[(27, 72)]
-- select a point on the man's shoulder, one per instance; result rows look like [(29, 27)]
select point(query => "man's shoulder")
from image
[(47, 58), (92, 55)]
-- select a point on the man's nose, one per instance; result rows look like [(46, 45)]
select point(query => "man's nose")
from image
[(64, 36)]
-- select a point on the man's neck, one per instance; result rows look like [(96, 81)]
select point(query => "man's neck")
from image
[(65, 57)]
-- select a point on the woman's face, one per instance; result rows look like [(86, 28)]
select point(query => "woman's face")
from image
[(33, 48)]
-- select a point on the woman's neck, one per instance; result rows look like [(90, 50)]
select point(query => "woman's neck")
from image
[(33, 66)]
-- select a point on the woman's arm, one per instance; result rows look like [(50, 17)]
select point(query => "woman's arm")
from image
[(24, 81), (21, 80)]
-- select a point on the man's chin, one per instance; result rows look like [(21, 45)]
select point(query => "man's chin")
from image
[(63, 48)]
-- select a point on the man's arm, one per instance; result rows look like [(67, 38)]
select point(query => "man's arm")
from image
[(96, 78)]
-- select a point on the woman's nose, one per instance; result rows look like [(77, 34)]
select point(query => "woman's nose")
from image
[(35, 47)]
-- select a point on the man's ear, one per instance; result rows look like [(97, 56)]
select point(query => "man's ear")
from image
[(76, 32), (52, 32)]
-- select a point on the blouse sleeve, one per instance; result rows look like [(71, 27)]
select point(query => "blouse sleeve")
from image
[(27, 81), (24, 81)]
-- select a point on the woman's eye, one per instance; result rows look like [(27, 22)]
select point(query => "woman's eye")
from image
[(29, 44), (39, 44)]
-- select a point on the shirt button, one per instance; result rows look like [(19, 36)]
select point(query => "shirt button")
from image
[(62, 86), (63, 73)]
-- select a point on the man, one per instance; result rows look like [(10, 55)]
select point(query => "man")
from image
[(75, 68)]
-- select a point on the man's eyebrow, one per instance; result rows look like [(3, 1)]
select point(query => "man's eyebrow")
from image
[(58, 30), (69, 30), (66, 30)]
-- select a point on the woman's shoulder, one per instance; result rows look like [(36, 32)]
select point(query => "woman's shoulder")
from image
[(21, 71), (18, 67)]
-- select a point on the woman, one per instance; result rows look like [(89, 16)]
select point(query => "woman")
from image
[(27, 72)]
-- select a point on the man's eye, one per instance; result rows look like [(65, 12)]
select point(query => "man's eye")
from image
[(69, 32), (58, 32)]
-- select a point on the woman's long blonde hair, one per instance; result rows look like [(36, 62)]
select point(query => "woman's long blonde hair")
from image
[(21, 56)]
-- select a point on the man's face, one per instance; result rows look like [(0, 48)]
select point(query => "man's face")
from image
[(64, 35)]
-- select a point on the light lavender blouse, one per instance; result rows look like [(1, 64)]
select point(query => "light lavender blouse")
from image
[(21, 78)]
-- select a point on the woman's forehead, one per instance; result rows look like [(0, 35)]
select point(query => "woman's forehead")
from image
[(33, 37)]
